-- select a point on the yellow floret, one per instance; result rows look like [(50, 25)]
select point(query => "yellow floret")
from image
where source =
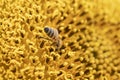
[(90, 34)]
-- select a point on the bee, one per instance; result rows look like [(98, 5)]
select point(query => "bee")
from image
[(53, 35)]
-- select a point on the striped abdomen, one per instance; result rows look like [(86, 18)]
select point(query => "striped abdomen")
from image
[(52, 33)]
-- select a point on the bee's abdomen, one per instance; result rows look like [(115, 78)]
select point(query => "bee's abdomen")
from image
[(50, 32)]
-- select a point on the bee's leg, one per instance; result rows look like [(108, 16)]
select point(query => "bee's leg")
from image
[(57, 45), (53, 44), (45, 38)]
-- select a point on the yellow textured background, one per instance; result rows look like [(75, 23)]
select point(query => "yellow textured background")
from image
[(90, 34)]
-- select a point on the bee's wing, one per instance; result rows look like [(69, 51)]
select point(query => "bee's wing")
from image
[(59, 43), (56, 33)]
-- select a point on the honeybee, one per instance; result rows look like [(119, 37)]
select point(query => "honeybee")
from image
[(53, 36)]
